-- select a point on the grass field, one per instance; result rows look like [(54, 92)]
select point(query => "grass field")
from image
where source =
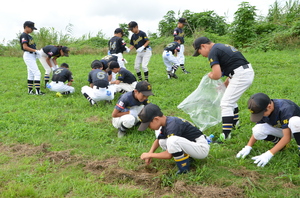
[(63, 147)]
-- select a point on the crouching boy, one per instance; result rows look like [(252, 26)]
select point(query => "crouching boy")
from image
[(178, 137)]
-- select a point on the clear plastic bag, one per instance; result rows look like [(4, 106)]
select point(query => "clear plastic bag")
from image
[(203, 104)]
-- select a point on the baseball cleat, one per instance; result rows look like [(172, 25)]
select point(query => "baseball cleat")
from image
[(93, 102), (186, 72), (31, 93), (40, 93), (121, 133), (58, 94), (173, 75)]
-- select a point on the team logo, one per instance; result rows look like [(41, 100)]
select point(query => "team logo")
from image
[(251, 111), (50, 53), (149, 87), (101, 75)]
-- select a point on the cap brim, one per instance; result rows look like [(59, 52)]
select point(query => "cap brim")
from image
[(66, 54), (196, 53), (143, 126), (147, 93), (257, 116)]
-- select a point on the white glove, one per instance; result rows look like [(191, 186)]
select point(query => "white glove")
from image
[(244, 152), (263, 159), (38, 54), (127, 49), (140, 49)]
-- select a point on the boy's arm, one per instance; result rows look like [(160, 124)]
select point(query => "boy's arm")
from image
[(263, 159), (115, 82), (216, 72), (116, 113)]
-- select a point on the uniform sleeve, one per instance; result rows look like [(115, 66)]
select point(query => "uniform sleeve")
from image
[(90, 78), (286, 114), (175, 33)]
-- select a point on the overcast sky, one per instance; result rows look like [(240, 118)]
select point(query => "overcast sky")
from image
[(92, 16)]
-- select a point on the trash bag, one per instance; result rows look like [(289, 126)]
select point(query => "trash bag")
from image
[(203, 104)]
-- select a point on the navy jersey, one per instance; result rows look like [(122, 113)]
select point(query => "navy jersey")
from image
[(125, 76), (172, 47), (62, 74), (283, 111), (26, 38), (179, 127), (228, 57), (52, 51), (99, 78), (139, 39), (179, 32), (116, 45), (127, 100)]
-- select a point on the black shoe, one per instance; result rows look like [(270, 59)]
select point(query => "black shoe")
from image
[(186, 72), (40, 93), (172, 75)]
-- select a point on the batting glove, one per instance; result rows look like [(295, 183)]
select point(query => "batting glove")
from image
[(244, 152), (140, 49), (263, 159), (127, 49)]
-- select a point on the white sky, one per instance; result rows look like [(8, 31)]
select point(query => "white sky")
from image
[(92, 16)]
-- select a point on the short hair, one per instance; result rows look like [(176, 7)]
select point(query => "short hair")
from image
[(64, 65), (113, 64), (96, 64)]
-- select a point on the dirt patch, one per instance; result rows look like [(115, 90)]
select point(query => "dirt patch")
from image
[(92, 119), (24, 149)]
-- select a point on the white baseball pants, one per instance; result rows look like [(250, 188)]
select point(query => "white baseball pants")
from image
[(180, 55), (238, 84), (121, 60), (47, 68), (128, 120), (99, 94), (261, 131), (175, 144), (169, 59), (125, 86), (61, 87), (142, 58), (33, 72)]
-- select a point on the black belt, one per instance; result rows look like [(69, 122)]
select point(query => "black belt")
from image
[(232, 73), (31, 52)]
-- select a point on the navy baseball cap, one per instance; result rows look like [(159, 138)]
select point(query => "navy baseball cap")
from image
[(183, 21), (29, 24), (199, 41), (132, 24), (66, 50), (257, 105), (144, 87), (119, 30), (147, 114)]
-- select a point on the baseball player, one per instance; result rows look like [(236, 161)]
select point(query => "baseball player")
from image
[(29, 56), (277, 120), (60, 76), (117, 46), (178, 138), (49, 54), (125, 80), (178, 31), (169, 59), (225, 60), (99, 88), (105, 61), (140, 42), (129, 105)]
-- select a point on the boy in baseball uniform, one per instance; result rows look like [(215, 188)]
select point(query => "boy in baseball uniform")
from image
[(140, 41), (169, 53), (99, 88), (178, 31), (277, 121), (125, 113), (125, 80), (117, 46), (49, 55), (29, 56), (60, 76), (225, 60), (179, 138)]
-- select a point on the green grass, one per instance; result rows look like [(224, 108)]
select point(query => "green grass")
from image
[(62, 147)]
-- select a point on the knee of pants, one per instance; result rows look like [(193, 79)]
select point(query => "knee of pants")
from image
[(72, 90), (294, 124), (172, 144), (128, 121), (163, 143)]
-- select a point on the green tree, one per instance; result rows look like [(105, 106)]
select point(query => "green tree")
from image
[(242, 28), (167, 25)]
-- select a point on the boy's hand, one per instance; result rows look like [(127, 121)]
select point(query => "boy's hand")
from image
[(263, 159), (244, 152), (146, 157)]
